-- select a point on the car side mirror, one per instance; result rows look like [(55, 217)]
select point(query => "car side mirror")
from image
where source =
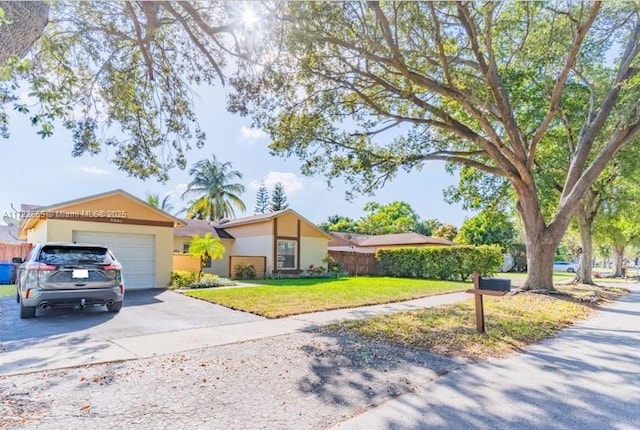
[(17, 260)]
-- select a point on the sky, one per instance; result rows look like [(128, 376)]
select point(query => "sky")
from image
[(43, 172)]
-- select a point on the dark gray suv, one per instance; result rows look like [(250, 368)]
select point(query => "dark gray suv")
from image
[(69, 275)]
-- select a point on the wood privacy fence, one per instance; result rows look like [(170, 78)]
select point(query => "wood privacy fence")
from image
[(186, 262), (356, 263), (11, 250), (258, 262)]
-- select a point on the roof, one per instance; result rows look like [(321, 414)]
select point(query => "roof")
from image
[(224, 224), (199, 227), (403, 239), (29, 221)]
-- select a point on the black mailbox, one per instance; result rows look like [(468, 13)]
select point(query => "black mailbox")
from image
[(495, 284)]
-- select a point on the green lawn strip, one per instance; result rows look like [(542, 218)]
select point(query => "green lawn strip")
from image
[(286, 297), (511, 322), (7, 290)]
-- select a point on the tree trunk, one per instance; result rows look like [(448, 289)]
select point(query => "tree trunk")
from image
[(617, 260), (27, 22), (585, 226), (540, 257)]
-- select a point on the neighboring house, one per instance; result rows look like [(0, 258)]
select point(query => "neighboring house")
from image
[(182, 237), (356, 252), (276, 242), (140, 235)]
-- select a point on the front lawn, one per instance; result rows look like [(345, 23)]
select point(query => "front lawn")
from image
[(284, 297), (511, 323)]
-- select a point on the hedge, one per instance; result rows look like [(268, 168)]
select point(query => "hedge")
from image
[(444, 263)]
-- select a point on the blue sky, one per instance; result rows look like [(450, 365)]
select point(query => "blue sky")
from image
[(42, 171)]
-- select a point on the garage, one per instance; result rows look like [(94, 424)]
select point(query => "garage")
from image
[(134, 251), (140, 235)]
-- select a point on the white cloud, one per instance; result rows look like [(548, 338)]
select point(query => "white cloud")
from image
[(252, 135), (292, 183), (178, 190), (93, 170)]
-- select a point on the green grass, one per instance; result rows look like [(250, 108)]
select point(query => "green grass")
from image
[(7, 290), (283, 297), (511, 323)]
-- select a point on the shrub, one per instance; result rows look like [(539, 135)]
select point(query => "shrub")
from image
[(244, 271), (444, 263), (182, 279), (211, 281)]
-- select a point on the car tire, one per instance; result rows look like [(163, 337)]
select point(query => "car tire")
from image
[(27, 311), (114, 307), (570, 270)]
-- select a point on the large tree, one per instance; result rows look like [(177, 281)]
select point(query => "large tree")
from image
[(215, 190), (278, 198), (394, 217), (119, 74), (475, 84), (487, 228)]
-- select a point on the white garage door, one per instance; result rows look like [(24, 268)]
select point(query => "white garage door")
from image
[(134, 251)]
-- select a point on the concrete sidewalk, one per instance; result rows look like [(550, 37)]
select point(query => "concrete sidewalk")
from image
[(32, 359), (588, 377)]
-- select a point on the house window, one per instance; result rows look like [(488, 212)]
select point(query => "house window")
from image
[(287, 254), (185, 247)]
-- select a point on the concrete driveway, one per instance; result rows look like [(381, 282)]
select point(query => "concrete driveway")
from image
[(145, 312)]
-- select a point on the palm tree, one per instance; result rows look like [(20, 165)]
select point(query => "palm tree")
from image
[(214, 190), (164, 205)]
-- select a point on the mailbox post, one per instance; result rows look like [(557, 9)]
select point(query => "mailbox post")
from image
[(489, 287)]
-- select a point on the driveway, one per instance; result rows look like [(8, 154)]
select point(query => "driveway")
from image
[(144, 312)]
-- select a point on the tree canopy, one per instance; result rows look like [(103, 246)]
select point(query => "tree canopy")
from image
[(362, 90)]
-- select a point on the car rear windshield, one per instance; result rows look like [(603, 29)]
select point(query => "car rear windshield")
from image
[(57, 255)]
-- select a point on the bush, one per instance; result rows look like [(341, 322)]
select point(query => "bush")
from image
[(211, 281), (182, 279), (244, 271), (444, 263)]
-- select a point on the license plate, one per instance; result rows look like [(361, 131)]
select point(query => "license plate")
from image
[(80, 274)]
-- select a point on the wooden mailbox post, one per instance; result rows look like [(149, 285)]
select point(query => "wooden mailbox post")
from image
[(489, 287)]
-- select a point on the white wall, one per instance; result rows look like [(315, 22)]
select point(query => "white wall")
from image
[(312, 251), (254, 246)]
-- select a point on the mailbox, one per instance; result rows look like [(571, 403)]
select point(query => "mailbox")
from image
[(494, 284)]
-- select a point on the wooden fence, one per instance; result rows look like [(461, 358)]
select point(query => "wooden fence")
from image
[(186, 262), (356, 263), (258, 262), (11, 250)]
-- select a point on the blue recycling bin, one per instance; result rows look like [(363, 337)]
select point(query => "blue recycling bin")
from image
[(6, 273)]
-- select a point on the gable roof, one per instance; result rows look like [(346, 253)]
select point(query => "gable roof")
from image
[(224, 224), (30, 221), (364, 240), (199, 227)]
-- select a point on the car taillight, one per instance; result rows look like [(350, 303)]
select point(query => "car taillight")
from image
[(39, 266), (112, 266)]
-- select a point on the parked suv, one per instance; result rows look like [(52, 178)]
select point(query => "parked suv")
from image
[(69, 275)]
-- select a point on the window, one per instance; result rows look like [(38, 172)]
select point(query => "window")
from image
[(287, 254), (185, 247)]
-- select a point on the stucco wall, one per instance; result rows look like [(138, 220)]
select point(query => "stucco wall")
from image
[(255, 246), (38, 233), (62, 231), (312, 251)]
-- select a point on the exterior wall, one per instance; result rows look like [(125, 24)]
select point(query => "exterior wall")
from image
[(308, 230), (287, 225), (254, 246), (38, 233), (115, 204), (251, 230), (62, 231), (312, 251)]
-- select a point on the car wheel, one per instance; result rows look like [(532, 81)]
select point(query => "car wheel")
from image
[(114, 307), (27, 311), (570, 270)]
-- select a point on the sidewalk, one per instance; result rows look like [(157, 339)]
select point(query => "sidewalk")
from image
[(588, 377), (130, 348)]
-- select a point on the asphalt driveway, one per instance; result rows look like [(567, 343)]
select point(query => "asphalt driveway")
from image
[(144, 312)]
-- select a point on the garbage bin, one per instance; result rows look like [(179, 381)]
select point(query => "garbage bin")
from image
[(6, 273)]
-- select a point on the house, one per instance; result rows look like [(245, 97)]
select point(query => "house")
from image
[(275, 242), (140, 235), (356, 252)]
